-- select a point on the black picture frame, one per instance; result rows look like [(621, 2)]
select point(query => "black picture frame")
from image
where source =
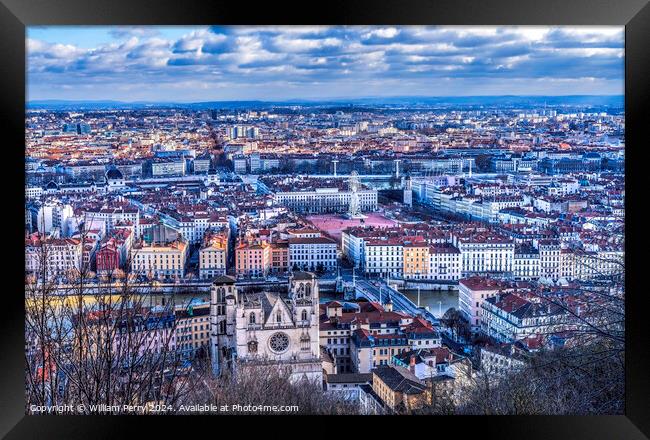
[(16, 14)]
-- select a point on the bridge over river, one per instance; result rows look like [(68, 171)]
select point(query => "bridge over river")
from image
[(377, 291)]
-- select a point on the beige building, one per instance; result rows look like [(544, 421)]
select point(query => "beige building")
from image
[(193, 330), (416, 260), (213, 255), (399, 389), (160, 260)]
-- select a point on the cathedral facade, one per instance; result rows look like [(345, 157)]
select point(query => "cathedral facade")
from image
[(267, 328)]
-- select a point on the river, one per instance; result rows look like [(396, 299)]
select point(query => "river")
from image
[(438, 301)]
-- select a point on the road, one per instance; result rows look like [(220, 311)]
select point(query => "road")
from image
[(156, 287)]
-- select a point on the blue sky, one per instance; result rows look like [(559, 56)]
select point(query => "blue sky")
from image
[(201, 63)]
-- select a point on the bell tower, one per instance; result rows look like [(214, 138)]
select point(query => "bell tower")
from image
[(222, 291), (408, 191), (303, 287)]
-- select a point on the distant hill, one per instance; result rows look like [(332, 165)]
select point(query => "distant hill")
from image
[(107, 104), (612, 100), (505, 100)]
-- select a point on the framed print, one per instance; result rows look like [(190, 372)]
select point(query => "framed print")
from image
[(379, 210)]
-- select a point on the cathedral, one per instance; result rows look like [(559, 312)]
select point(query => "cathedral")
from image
[(266, 328)]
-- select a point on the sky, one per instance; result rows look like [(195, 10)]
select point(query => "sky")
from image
[(276, 63)]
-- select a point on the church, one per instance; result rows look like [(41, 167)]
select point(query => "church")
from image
[(266, 328)]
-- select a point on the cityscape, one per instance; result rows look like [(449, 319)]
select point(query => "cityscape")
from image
[(325, 220)]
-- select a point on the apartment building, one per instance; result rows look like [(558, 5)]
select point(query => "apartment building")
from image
[(193, 330), (253, 258), (160, 260), (484, 252), (509, 317), (53, 257), (384, 257), (213, 254), (416, 260), (444, 262), (472, 292), (326, 200), (312, 253)]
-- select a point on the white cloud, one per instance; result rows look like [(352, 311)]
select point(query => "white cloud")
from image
[(328, 58), (383, 33)]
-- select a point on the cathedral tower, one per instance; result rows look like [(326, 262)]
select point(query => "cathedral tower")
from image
[(222, 291)]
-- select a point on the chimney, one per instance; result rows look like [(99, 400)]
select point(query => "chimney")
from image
[(412, 364)]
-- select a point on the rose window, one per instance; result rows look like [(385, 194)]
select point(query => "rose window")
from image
[(279, 342)]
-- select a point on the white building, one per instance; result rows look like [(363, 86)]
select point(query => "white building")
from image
[(114, 180), (495, 204), (242, 131), (168, 167), (499, 361), (587, 265), (549, 259), (267, 329), (326, 200), (353, 247), (112, 215), (239, 164), (193, 228), (444, 263), (202, 164), (33, 192), (53, 257), (384, 257), (510, 317), (525, 265), (312, 253), (53, 215), (484, 252)]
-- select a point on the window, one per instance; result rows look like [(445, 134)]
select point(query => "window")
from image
[(279, 342), (278, 316), (251, 318), (304, 315)]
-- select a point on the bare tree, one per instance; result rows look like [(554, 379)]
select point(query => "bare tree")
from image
[(96, 341), (584, 376), (454, 320), (264, 387)]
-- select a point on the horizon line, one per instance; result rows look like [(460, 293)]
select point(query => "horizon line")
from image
[(324, 99)]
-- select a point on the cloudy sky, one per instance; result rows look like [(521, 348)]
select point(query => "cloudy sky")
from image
[(188, 64)]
